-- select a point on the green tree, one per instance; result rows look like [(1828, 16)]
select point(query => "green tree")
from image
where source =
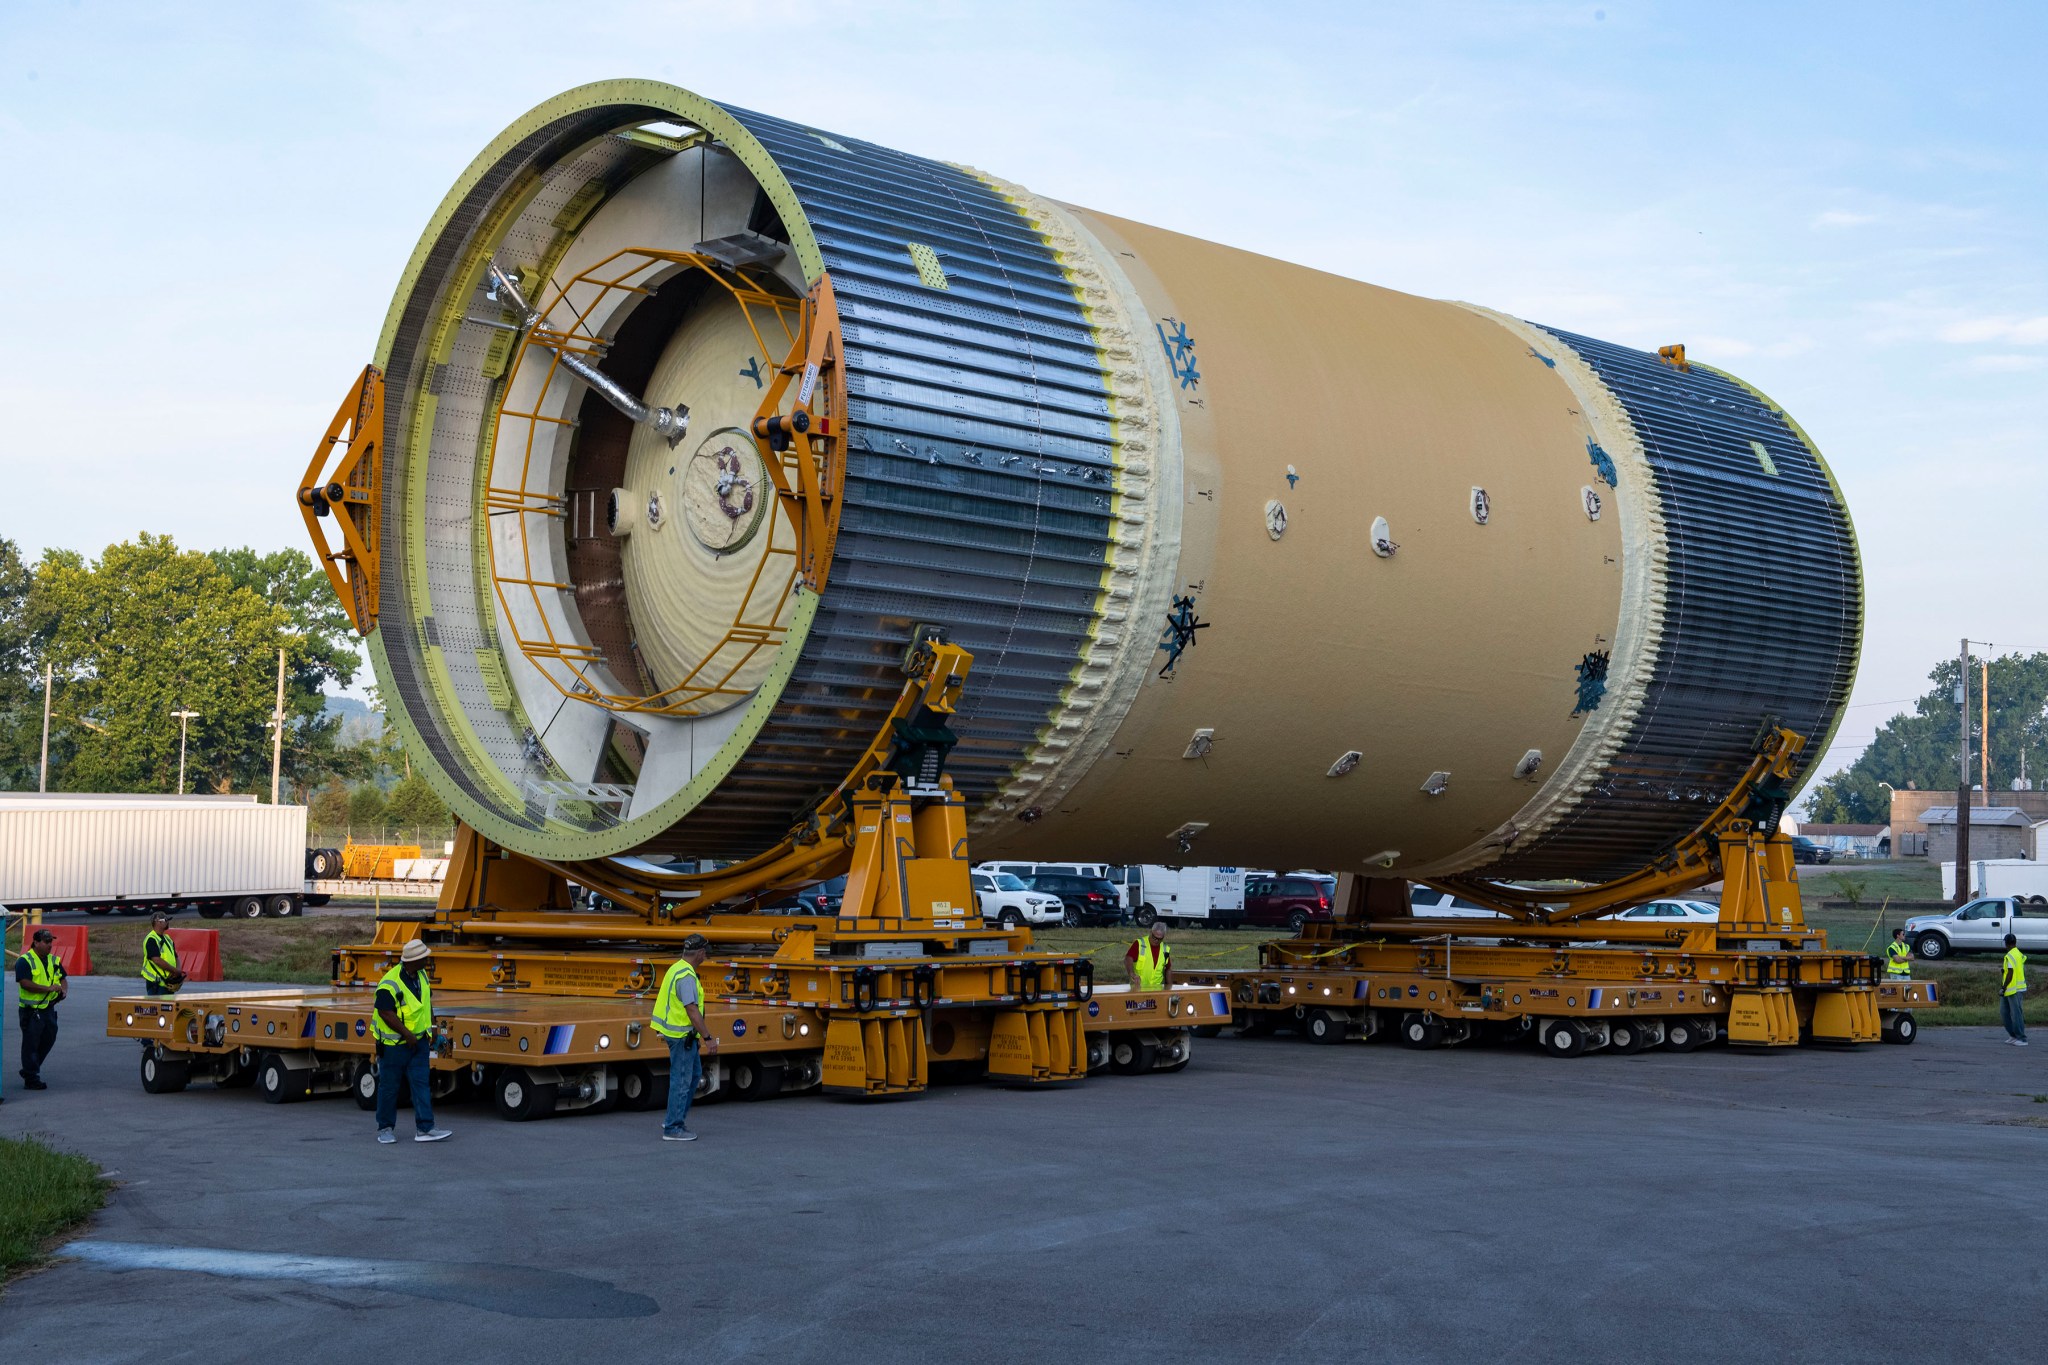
[(416, 806), (21, 676), (366, 807), (328, 810), (148, 629), (1920, 748)]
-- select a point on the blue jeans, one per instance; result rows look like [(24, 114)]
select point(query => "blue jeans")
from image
[(408, 1062), (2010, 1013), (684, 1066)]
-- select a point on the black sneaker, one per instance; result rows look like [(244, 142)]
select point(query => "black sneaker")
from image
[(34, 1085)]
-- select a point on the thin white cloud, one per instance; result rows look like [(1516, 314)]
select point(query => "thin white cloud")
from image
[(2007, 363), (1842, 218), (2012, 331)]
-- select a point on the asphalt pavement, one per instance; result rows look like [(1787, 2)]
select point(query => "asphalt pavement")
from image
[(1275, 1201)]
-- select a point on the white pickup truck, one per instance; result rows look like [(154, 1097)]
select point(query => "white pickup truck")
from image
[(1981, 927)]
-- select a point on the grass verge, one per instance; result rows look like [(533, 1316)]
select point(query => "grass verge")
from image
[(297, 951), (1970, 996), (43, 1192)]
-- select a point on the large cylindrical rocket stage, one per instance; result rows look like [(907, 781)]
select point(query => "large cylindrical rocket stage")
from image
[(1258, 565)]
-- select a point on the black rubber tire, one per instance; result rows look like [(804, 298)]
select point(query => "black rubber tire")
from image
[(211, 909), (326, 863), (1011, 919), (282, 907), (1132, 1056), (1208, 1030), (1143, 916), (240, 1075), (1627, 1037), (1930, 946), (1298, 922), (362, 1084), (519, 1097), (1257, 1023), (1326, 1026), (1072, 919), (99, 909), (640, 1089), (1683, 1034), (753, 1078), (1903, 1029), (1420, 1030), (278, 1083), (248, 907), (1567, 1038), (163, 1075)]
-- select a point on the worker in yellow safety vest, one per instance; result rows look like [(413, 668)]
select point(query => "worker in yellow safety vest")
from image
[(1149, 962), (40, 982), (403, 1025), (679, 1018), (1898, 957), (2012, 998), (161, 974)]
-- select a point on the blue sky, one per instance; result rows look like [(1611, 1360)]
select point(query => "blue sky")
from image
[(208, 208)]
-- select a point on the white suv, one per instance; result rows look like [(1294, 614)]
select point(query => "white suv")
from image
[(1006, 901)]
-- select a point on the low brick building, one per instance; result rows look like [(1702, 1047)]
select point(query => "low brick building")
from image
[(1995, 832)]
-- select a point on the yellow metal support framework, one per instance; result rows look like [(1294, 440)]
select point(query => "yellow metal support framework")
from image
[(352, 493)]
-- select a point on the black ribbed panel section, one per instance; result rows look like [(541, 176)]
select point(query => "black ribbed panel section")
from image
[(1762, 618), (977, 487)]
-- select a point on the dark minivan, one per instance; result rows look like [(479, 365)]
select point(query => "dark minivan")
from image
[(1294, 899), (1088, 900)]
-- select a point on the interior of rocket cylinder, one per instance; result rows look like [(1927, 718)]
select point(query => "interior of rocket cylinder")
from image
[(679, 569)]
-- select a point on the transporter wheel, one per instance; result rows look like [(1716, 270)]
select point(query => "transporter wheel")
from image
[(1931, 946), (1684, 1035), (519, 1097), (1098, 1051), (1565, 1038), (1257, 1023), (640, 1089), (283, 907), (162, 1075), (1627, 1036), (362, 1083), (1420, 1030), (1902, 1029), (1144, 915), (1176, 1054), (248, 907), (1208, 1030), (278, 1083), (1326, 1026), (753, 1078), (1130, 1056)]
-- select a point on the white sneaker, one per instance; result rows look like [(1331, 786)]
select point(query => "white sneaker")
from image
[(386, 1135), (679, 1135), (2017, 1042), (437, 1135)]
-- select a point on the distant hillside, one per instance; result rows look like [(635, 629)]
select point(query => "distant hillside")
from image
[(358, 721)]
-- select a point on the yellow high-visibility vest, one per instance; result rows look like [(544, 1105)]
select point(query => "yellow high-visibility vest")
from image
[(1898, 959), (46, 974), (416, 1012), (159, 959), (2016, 966), (1152, 970), (671, 1020)]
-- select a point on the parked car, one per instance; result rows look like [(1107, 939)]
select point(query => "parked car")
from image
[(1671, 912), (1805, 850), (1426, 902), (1084, 900), (1294, 899), (1981, 927), (822, 899), (1005, 899)]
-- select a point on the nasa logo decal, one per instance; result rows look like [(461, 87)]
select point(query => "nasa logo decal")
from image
[(739, 1028), (1094, 1008), (1414, 991), (361, 1028)]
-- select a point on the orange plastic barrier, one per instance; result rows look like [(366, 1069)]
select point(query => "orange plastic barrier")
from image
[(72, 949), (198, 953)]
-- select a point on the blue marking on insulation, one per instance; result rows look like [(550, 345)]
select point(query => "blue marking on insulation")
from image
[(1548, 363), (1592, 682), (1603, 464), (1180, 351)]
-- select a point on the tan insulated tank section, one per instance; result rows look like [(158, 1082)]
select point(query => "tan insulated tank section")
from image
[(1259, 566)]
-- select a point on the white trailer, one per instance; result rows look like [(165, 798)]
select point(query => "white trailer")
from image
[(102, 853), (1183, 895), (1999, 877)]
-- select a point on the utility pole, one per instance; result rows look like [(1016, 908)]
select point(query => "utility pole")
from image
[(184, 717), (277, 732), (43, 773), (1962, 890), (1984, 730)]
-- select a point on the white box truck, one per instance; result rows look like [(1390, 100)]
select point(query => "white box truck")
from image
[(2021, 877), (1213, 896), (222, 855)]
